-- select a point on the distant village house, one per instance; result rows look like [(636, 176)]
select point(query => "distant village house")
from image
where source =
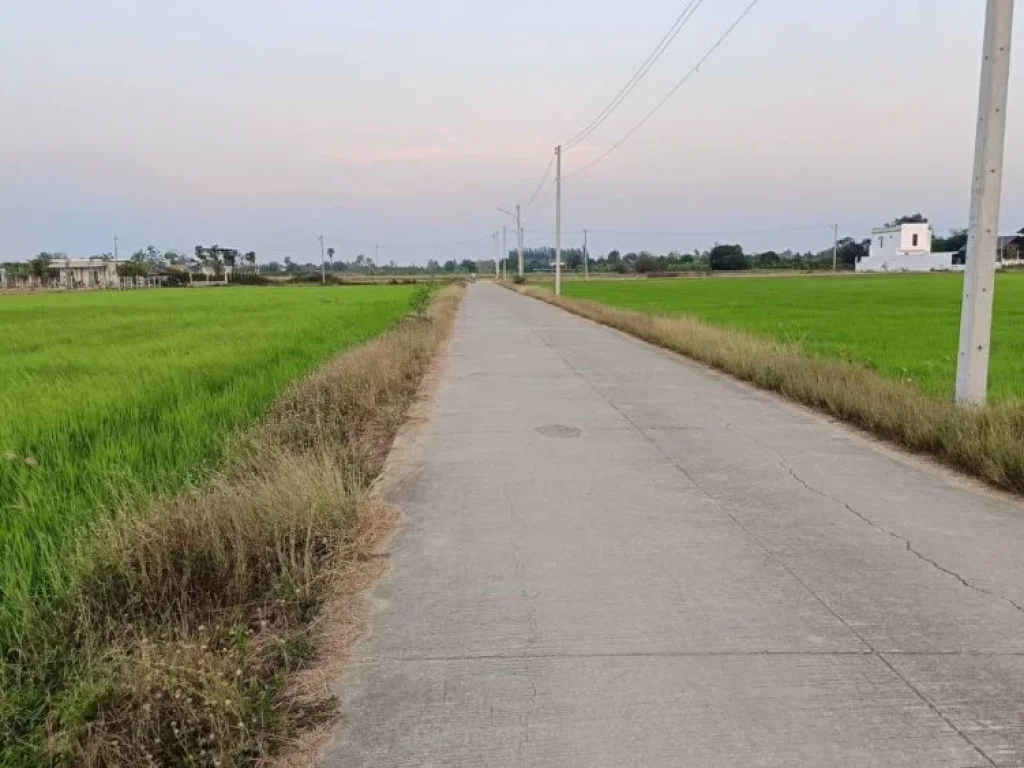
[(85, 273)]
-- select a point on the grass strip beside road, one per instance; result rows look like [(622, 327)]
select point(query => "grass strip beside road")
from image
[(902, 326), (985, 442), (179, 641)]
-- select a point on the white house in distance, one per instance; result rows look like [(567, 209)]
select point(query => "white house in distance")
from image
[(85, 273), (906, 248)]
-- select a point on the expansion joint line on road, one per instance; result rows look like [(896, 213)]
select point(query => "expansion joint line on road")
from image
[(763, 548), (531, 639)]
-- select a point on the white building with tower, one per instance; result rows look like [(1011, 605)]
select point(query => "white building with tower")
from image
[(906, 248)]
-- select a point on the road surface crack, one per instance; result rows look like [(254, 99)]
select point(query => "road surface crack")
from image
[(907, 544)]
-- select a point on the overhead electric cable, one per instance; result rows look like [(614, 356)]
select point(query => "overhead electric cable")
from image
[(652, 59), (540, 185), (670, 94)]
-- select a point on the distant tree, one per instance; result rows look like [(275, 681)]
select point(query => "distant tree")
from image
[(451, 265), (767, 260), (728, 258), (40, 265), (433, 265), (148, 255), (956, 241), (468, 265), (250, 258), (16, 268), (851, 250), (176, 275), (645, 263), (212, 257), (614, 261), (330, 254), (133, 268), (173, 258)]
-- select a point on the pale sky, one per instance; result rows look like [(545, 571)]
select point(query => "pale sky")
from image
[(259, 125)]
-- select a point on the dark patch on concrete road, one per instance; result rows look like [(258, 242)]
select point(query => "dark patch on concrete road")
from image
[(558, 430)]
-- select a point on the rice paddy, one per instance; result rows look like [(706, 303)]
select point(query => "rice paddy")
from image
[(904, 327), (108, 399)]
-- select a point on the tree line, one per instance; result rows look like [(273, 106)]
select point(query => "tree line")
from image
[(175, 266), (721, 257)]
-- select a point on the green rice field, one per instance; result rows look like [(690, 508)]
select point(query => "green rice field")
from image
[(108, 398), (902, 326)]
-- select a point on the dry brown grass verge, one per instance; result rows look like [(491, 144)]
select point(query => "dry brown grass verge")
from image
[(189, 623), (985, 442)]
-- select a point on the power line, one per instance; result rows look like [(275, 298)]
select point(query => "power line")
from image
[(670, 94), (639, 75), (540, 185)]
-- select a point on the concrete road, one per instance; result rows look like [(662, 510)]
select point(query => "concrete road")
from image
[(613, 556)]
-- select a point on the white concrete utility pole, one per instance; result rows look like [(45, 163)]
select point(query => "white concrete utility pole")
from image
[(558, 220), (497, 264), (117, 280), (986, 191), (519, 233), (504, 251), (835, 247), (323, 265), (586, 265)]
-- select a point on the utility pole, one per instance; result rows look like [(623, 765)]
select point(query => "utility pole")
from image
[(504, 251), (522, 247), (497, 263), (986, 191), (586, 265), (835, 247), (519, 232), (558, 220), (323, 267), (376, 254), (117, 279)]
